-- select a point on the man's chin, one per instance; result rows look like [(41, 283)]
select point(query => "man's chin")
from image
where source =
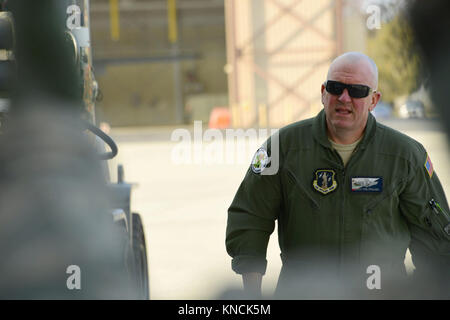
[(342, 123)]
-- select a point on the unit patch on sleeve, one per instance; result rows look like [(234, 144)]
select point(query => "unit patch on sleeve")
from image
[(429, 166), (367, 184), (260, 160)]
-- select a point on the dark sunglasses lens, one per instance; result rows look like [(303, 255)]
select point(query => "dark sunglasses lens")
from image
[(358, 91), (335, 87)]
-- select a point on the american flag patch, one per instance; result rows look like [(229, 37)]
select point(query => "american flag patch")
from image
[(429, 166)]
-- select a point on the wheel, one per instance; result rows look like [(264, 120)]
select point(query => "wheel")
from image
[(140, 257)]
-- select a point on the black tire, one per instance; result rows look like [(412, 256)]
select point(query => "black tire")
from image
[(140, 257)]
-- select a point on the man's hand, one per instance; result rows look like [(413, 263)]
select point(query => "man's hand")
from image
[(252, 283)]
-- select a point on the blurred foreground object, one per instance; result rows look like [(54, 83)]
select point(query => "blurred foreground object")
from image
[(58, 210), (430, 23)]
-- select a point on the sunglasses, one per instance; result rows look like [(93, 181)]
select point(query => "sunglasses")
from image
[(354, 90)]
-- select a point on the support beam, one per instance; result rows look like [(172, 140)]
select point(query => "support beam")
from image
[(114, 19)]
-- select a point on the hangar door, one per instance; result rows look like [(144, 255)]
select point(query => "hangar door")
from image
[(278, 53)]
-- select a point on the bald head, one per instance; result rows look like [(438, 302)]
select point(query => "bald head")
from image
[(348, 61)]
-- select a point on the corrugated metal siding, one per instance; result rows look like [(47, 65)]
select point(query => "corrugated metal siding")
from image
[(279, 52)]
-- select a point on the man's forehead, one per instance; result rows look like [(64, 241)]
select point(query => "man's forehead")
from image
[(355, 71)]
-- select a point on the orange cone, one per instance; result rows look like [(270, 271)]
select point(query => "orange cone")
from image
[(220, 118)]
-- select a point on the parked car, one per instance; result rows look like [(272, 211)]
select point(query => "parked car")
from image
[(382, 110), (412, 109)]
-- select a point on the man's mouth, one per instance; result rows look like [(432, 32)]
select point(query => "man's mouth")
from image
[(343, 111)]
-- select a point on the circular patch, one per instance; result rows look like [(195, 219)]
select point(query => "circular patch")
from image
[(260, 160)]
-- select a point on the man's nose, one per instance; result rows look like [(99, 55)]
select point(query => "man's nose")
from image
[(345, 97)]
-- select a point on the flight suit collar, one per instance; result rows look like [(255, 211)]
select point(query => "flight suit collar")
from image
[(320, 130)]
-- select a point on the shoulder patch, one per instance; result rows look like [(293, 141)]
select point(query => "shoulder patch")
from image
[(260, 160), (429, 166)]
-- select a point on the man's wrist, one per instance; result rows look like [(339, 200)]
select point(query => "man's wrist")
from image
[(252, 283)]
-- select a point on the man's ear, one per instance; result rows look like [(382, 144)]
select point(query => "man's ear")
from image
[(375, 98), (322, 90)]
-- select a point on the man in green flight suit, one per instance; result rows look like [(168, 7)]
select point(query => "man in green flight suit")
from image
[(350, 195)]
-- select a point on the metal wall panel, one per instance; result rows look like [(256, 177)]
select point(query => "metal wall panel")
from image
[(278, 55)]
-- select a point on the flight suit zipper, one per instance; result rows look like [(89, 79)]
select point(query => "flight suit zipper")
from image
[(439, 214), (342, 211), (344, 169), (342, 240), (437, 208)]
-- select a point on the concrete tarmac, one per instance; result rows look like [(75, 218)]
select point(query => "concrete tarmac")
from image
[(184, 205)]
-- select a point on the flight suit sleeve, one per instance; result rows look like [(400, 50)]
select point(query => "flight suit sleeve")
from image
[(424, 204), (251, 219)]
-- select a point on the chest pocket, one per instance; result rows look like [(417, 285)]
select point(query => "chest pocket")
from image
[(294, 188), (382, 221), (300, 222), (383, 202)]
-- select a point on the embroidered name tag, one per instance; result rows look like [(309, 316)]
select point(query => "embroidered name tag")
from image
[(367, 184)]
